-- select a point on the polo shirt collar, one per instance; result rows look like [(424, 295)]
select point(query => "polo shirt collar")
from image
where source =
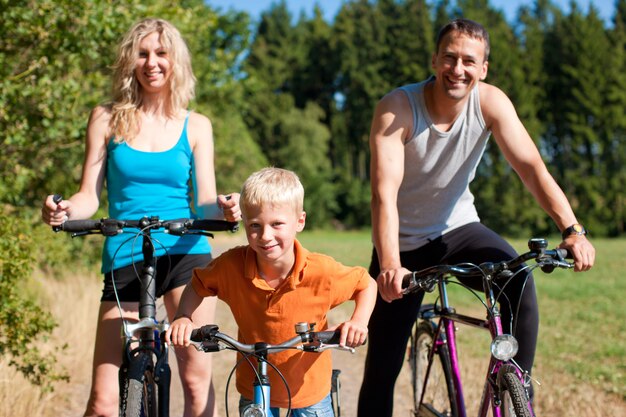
[(297, 274)]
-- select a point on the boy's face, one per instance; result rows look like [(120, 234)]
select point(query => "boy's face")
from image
[(271, 231)]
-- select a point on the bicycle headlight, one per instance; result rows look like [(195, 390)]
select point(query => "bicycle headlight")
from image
[(504, 347)]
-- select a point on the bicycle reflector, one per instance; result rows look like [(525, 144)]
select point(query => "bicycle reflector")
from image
[(504, 347), (253, 410)]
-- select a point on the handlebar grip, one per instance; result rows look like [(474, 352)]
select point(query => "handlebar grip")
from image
[(407, 280), (212, 225), (79, 225), (329, 337), (204, 333), (564, 253)]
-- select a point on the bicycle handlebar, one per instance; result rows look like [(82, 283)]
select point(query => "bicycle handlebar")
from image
[(208, 339), (112, 227), (548, 260)]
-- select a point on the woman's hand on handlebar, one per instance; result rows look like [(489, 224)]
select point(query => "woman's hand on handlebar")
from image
[(55, 211), (229, 204), (390, 283)]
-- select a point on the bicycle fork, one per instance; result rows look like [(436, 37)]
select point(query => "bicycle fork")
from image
[(260, 406)]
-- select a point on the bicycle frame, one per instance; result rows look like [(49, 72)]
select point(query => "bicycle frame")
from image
[(145, 375), (209, 339), (445, 333), (147, 330)]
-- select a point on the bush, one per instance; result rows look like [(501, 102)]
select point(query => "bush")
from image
[(23, 324)]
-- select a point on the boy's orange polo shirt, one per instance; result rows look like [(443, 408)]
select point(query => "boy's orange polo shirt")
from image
[(317, 284)]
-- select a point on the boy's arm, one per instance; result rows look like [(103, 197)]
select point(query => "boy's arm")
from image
[(354, 331), (179, 333)]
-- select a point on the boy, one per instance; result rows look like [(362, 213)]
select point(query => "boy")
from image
[(273, 283)]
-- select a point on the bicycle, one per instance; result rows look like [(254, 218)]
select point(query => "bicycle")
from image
[(208, 339), (145, 373), (433, 357)]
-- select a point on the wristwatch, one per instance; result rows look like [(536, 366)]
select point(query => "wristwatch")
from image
[(575, 229)]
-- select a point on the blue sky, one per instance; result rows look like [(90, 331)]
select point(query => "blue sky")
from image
[(330, 7)]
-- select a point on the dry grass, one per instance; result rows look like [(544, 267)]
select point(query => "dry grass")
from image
[(73, 302)]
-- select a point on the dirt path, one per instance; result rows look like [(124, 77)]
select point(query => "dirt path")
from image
[(560, 394)]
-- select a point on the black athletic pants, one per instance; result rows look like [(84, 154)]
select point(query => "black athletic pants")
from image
[(391, 323)]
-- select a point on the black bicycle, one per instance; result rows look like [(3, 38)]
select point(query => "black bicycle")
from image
[(145, 373)]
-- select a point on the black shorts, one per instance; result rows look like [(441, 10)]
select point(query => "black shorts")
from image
[(171, 272)]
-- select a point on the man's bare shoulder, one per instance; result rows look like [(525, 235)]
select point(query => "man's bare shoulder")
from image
[(494, 103)]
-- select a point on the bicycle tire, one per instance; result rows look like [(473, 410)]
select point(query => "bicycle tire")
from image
[(440, 397), (513, 397), (139, 390)]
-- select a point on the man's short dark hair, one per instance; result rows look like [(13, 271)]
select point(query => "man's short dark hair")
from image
[(467, 27)]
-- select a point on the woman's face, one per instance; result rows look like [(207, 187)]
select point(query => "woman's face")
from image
[(153, 67)]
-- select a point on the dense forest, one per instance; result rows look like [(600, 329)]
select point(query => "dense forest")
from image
[(298, 92)]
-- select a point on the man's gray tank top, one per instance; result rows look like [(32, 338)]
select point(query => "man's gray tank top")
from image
[(434, 195)]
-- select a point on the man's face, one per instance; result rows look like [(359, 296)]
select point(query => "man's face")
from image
[(459, 64)]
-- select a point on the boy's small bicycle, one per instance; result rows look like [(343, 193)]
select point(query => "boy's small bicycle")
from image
[(145, 373), (433, 359), (208, 339)]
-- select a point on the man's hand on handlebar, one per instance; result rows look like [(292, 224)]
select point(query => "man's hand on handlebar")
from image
[(390, 283), (582, 250)]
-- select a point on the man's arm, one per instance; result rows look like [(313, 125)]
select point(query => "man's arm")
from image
[(520, 151), (391, 123)]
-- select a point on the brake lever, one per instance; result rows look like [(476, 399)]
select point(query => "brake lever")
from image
[(322, 347)]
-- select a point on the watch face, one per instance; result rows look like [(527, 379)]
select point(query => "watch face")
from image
[(578, 228)]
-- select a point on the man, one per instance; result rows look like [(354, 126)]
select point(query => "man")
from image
[(426, 140)]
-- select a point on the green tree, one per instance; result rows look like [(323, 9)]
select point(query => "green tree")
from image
[(577, 61), (272, 56), (55, 59), (305, 151), (23, 324), (613, 133)]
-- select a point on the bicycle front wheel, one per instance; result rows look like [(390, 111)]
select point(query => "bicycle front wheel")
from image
[(139, 390), (433, 390), (513, 396)]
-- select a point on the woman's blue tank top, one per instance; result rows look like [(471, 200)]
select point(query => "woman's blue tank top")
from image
[(149, 184)]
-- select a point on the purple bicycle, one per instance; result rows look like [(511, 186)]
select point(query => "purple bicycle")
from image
[(435, 371)]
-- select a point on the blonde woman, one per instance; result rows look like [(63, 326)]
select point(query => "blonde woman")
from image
[(154, 155)]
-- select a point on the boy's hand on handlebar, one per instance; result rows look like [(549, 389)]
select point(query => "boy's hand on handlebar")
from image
[(55, 213), (179, 332), (353, 333), (390, 283), (582, 250), (229, 204)]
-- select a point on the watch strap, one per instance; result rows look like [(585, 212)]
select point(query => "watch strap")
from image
[(575, 229)]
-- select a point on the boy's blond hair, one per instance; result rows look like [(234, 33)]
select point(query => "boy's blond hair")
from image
[(272, 186)]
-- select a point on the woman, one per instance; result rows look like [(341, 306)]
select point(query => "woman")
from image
[(154, 154)]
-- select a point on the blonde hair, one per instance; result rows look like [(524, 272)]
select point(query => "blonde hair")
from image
[(272, 186), (127, 97)]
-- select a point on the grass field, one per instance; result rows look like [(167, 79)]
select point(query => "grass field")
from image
[(582, 315), (580, 359)]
